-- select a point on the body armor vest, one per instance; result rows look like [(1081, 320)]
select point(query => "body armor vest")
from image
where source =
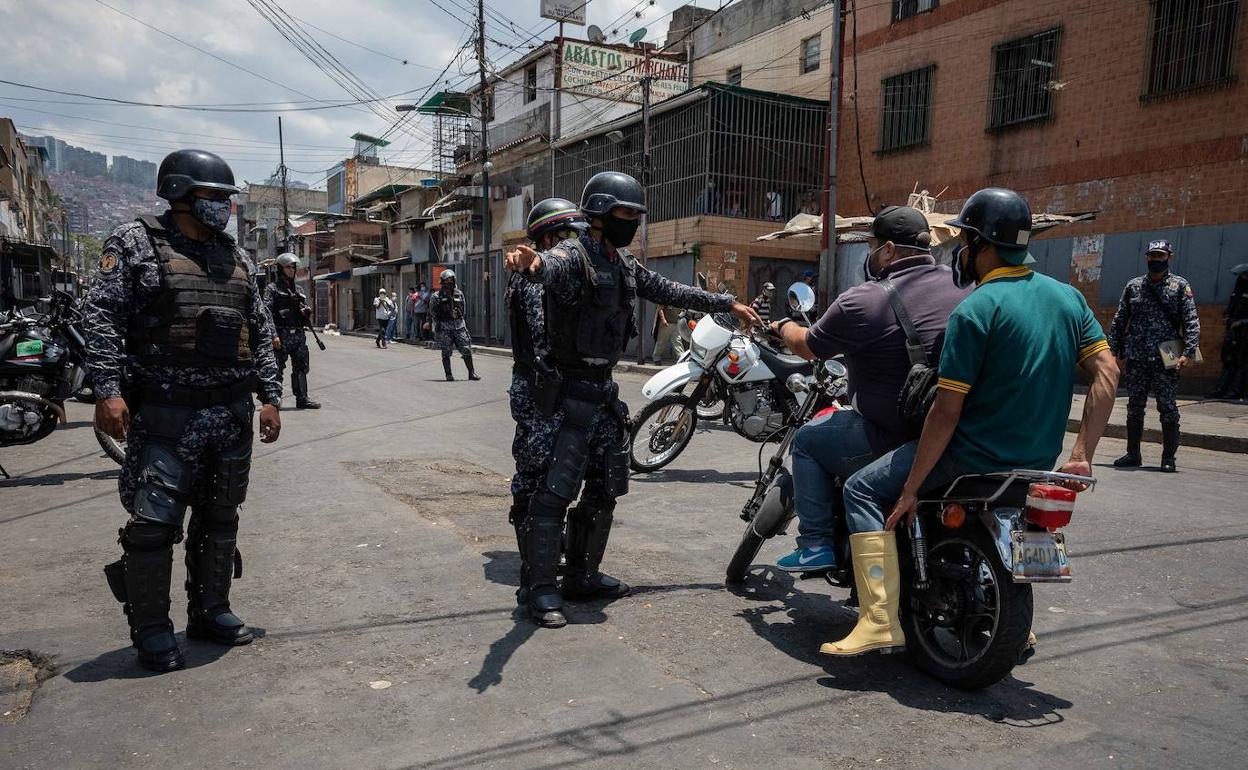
[(288, 304), (447, 307), (596, 328), (199, 318)]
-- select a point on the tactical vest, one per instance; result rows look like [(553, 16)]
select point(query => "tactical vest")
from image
[(448, 308), (287, 306), (596, 328), (522, 350), (199, 317)]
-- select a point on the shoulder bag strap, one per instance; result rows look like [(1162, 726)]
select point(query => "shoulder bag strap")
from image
[(914, 345)]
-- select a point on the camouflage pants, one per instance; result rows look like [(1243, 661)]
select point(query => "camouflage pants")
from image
[(534, 443), (453, 335), (1143, 377), (207, 433), (294, 347)]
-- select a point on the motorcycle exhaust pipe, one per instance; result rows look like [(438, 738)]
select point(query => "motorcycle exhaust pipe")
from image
[(17, 395)]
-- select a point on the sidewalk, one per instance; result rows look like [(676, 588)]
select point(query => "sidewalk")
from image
[(1218, 425)]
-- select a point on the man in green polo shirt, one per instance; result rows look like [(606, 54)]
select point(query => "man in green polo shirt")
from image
[(1006, 381)]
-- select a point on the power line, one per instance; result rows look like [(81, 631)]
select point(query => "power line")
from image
[(193, 108)]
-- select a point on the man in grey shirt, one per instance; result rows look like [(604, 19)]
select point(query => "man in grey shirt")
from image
[(861, 324)]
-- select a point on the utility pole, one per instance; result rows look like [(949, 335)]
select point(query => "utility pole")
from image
[(485, 174), (281, 170), (646, 81), (827, 260)]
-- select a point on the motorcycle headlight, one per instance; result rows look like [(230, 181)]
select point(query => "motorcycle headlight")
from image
[(697, 352)]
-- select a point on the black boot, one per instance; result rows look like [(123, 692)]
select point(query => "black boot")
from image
[(1238, 387), (1169, 446), (1135, 432), (300, 386), (517, 516), (543, 532), (1225, 383), (212, 563), (472, 373), (589, 527), (143, 575), (446, 367)]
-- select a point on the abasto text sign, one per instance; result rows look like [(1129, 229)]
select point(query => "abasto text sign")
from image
[(614, 73)]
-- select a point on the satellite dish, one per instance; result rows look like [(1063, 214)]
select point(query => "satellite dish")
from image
[(595, 34), (637, 36)]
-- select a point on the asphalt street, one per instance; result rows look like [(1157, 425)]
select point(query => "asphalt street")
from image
[(381, 568)]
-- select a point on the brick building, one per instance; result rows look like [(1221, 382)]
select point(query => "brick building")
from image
[(1125, 108)]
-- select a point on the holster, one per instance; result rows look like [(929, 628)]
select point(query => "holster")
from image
[(115, 574), (615, 477), (547, 391)]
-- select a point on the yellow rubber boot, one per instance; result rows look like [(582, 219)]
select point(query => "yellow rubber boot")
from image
[(878, 577)]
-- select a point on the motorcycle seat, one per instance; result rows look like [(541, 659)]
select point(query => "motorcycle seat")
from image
[(983, 487), (783, 365)]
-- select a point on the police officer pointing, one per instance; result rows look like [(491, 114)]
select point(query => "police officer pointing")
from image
[(592, 284), (178, 341), (1154, 308), (551, 221), (289, 309)]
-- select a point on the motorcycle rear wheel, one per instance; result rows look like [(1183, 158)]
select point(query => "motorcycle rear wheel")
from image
[(981, 644), (773, 513), (116, 450), (661, 433)]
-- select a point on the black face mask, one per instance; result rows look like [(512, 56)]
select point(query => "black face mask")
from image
[(1156, 266), (967, 276), (620, 232)]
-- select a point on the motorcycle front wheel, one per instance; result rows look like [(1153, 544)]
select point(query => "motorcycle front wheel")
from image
[(661, 431), (116, 450), (969, 628)]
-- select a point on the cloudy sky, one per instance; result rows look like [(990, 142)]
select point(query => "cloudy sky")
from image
[(126, 49)]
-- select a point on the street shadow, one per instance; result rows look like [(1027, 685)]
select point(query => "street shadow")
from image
[(56, 479), (1156, 546), (121, 664), (502, 567), (743, 479), (797, 622), (501, 651)]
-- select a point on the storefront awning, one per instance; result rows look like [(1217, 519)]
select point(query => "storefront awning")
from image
[(373, 269), (342, 275)]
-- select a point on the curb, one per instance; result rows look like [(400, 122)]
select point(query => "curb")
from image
[(1234, 444)]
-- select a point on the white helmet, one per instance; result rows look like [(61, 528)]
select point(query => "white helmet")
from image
[(447, 275), (287, 260)]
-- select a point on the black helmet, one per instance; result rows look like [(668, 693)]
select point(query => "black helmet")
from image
[(554, 213), (999, 216), (609, 189), (184, 170)]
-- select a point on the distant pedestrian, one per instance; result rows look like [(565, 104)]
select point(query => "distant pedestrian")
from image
[(1155, 309), (1234, 380), (384, 309), (420, 307), (762, 303), (666, 318)]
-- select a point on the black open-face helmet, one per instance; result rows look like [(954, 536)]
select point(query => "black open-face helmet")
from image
[(999, 216), (609, 189), (554, 214), (184, 170)]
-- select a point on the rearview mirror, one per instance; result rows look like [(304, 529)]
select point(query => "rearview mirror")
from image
[(801, 298)]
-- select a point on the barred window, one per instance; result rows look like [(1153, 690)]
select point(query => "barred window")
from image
[(1191, 44), (906, 109), (530, 84), (734, 76), (1022, 76), (904, 9), (810, 54)]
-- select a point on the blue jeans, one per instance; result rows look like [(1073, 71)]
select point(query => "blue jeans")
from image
[(824, 450), (871, 492), (411, 321), (391, 328)]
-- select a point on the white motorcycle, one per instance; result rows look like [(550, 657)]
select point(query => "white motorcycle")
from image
[(750, 373)]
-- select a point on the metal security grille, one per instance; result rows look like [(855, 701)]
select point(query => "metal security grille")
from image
[(1191, 44), (904, 9), (1022, 76), (905, 114), (731, 153)]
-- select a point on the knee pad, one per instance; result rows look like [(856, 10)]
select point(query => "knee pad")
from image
[(146, 536), (546, 505), (229, 489), (164, 487), (570, 457)]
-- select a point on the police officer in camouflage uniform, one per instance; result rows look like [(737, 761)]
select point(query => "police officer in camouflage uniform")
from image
[(1234, 380), (591, 284), (178, 341), (446, 307), (288, 307), (551, 221), (1154, 308)]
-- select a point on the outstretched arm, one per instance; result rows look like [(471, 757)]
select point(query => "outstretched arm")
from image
[(664, 291)]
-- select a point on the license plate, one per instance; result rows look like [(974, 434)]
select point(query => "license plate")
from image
[(1040, 557)]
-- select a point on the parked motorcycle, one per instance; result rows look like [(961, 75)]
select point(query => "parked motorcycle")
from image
[(967, 562), (748, 369), (41, 366)]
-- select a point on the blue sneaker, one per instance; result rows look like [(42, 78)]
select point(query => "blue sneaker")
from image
[(808, 559)]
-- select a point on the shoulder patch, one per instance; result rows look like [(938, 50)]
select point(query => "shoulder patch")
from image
[(1187, 290), (108, 262)]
